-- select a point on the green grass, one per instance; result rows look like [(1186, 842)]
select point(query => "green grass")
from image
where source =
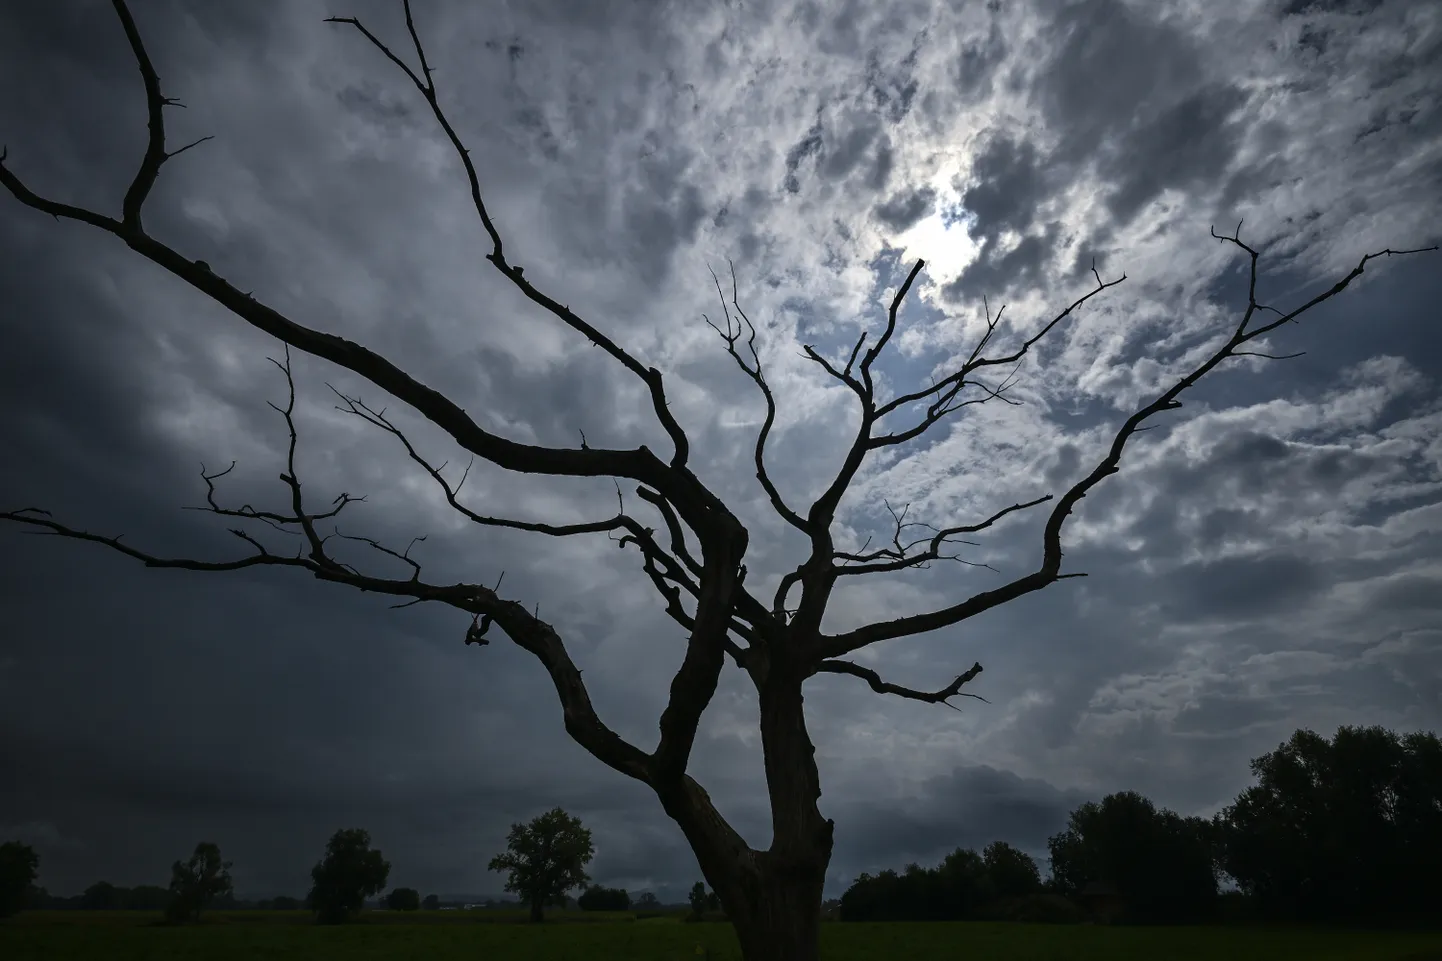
[(447, 935)]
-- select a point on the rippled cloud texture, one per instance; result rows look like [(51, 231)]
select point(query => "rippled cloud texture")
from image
[(1267, 559)]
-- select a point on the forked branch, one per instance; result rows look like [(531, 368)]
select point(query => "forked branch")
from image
[(717, 588), (903, 554), (731, 335), (425, 83), (1049, 570), (942, 696)]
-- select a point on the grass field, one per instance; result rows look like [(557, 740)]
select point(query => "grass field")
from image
[(443, 936)]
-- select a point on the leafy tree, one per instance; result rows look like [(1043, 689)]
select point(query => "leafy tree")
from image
[(957, 888), (698, 899), (1347, 828), (1013, 872), (546, 859), (646, 901), (1160, 863), (431, 902), (962, 885), (19, 867), (100, 896), (698, 565), (350, 872), (598, 898), (194, 884), (403, 899)]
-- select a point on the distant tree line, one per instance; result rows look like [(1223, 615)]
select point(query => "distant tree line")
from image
[(1347, 829), (544, 860), (598, 898), (349, 872)]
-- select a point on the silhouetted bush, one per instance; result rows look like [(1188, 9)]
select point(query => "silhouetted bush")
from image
[(597, 898), (403, 899)]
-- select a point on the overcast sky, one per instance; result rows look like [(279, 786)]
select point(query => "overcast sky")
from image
[(1268, 559)]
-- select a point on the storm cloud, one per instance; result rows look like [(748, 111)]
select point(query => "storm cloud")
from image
[(1267, 559)]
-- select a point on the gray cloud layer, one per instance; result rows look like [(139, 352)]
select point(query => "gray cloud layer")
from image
[(1267, 560)]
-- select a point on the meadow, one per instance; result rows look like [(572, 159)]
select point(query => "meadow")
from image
[(442, 936)]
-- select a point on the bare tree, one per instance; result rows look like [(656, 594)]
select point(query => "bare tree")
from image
[(773, 896)]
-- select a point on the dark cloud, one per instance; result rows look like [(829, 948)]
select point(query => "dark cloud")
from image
[(903, 210), (1416, 591), (1189, 142), (621, 151), (1113, 64), (1220, 714), (978, 61), (1242, 587), (1292, 8), (843, 154), (1008, 184), (808, 146), (892, 89), (968, 807), (997, 271), (882, 164)]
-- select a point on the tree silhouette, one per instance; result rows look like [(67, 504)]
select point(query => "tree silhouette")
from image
[(350, 872), (1013, 872), (697, 561), (194, 884), (19, 867), (100, 896), (598, 898), (546, 859), (1159, 862), (697, 898), (403, 899), (1346, 828)]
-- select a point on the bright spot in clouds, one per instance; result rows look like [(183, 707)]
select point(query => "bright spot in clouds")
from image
[(940, 239)]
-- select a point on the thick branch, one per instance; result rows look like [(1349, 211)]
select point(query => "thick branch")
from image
[(665, 571), (484, 604), (694, 503), (695, 683), (942, 696), (650, 376), (721, 535)]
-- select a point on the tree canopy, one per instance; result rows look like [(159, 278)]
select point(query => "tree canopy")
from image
[(599, 898), (194, 884), (403, 899), (1349, 827), (545, 859), (1159, 862), (19, 867), (350, 872)]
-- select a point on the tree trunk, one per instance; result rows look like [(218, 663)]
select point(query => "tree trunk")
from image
[(537, 911), (785, 924), (782, 917), (772, 897)]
